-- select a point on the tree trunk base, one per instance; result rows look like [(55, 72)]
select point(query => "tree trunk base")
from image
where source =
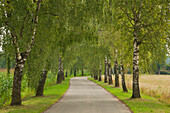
[(125, 91), (16, 104), (16, 91), (75, 72), (110, 81), (66, 74), (60, 77), (133, 97), (82, 72), (105, 79), (100, 79), (40, 88), (96, 77)]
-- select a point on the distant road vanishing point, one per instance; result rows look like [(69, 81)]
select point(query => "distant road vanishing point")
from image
[(84, 96)]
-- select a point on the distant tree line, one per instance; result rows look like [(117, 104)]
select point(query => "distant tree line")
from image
[(163, 68), (3, 61)]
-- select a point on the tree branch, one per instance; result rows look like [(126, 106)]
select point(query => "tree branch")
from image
[(23, 25), (51, 14), (30, 45), (127, 52), (15, 43), (129, 18), (139, 10)]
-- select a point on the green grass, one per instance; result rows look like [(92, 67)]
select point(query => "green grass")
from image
[(39, 104), (146, 104)]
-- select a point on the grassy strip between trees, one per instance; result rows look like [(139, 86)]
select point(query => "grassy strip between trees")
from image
[(39, 104), (146, 104)]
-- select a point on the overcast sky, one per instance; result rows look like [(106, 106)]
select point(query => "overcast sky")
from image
[(0, 49)]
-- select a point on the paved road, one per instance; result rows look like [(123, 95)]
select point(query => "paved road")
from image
[(84, 96)]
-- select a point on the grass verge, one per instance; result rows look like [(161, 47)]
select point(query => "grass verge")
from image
[(39, 104), (146, 104)]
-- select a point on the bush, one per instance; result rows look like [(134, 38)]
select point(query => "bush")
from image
[(165, 72), (168, 67), (5, 88), (7, 82)]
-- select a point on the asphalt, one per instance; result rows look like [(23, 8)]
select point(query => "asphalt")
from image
[(84, 96)]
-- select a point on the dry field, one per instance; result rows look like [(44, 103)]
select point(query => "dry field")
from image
[(154, 85), (4, 70)]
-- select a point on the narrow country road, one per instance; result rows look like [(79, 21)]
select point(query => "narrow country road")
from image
[(84, 96)]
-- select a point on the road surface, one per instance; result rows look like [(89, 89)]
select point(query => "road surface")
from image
[(84, 96)]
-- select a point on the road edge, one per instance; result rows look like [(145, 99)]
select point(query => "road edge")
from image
[(113, 96), (60, 97)]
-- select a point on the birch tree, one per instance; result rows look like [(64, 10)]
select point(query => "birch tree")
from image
[(18, 16), (143, 20)]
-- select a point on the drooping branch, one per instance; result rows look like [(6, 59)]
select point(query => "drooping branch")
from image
[(15, 43), (13, 34), (140, 9), (127, 14), (23, 25), (51, 14), (30, 45), (127, 52)]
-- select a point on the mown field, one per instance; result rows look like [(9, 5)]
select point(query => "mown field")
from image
[(153, 85)]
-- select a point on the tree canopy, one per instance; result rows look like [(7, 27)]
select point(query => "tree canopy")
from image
[(82, 33)]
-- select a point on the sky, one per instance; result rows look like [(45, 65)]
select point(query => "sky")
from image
[(1, 43), (0, 49)]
